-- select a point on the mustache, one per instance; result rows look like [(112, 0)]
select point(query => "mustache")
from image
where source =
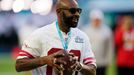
[(71, 17)]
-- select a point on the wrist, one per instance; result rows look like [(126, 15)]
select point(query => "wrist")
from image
[(43, 60)]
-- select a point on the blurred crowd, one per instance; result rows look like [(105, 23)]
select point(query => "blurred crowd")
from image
[(109, 45), (111, 35)]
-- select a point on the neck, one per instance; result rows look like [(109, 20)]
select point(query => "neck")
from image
[(63, 27)]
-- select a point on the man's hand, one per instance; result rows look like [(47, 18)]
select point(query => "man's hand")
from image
[(55, 60), (74, 63), (88, 69), (68, 62)]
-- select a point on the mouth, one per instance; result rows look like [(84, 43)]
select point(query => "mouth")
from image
[(75, 20)]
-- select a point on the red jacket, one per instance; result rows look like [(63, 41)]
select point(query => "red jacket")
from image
[(124, 41)]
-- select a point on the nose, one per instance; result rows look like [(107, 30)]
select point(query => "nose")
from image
[(77, 14)]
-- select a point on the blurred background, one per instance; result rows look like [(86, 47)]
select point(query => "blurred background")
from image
[(18, 18)]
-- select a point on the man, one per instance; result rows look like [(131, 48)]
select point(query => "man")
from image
[(51, 50), (101, 40)]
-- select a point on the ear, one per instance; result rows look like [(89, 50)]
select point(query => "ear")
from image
[(58, 11)]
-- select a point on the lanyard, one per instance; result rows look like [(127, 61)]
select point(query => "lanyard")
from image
[(64, 42)]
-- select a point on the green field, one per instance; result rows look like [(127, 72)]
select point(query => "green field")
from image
[(7, 66)]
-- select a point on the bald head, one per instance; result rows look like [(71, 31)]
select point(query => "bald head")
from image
[(68, 13), (66, 4)]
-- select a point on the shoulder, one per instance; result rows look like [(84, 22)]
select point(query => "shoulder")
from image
[(44, 29), (107, 30), (80, 33), (38, 33)]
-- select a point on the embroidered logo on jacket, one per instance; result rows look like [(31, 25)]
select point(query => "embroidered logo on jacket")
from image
[(79, 40)]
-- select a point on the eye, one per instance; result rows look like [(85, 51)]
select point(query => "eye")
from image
[(71, 10), (74, 10), (79, 10)]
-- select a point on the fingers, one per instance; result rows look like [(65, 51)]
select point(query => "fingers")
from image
[(76, 67), (73, 66), (60, 58), (71, 54), (73, 59), (59, 61), (58, 68), (58, 65), (59, 55)]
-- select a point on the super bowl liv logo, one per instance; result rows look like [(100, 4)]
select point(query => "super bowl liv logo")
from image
[(79, 40)]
